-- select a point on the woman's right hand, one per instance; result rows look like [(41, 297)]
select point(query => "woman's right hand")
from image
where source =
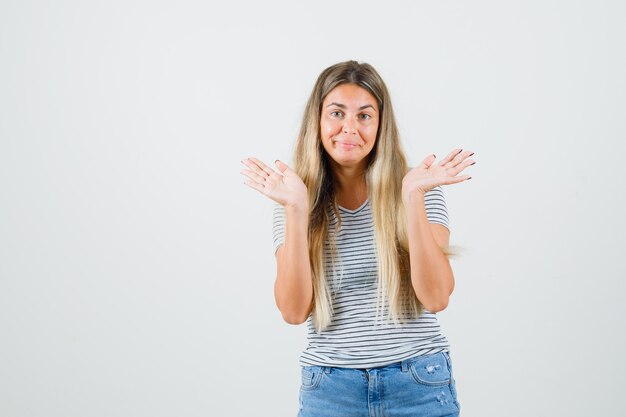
[(285, 187)]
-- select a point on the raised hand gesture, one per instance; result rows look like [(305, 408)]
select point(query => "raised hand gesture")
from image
[(285, 187), (428, 175)]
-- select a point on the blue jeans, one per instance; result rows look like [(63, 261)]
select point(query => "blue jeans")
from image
[(418, 386)]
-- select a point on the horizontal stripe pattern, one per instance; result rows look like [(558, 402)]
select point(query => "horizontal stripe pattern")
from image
[(354, 339)]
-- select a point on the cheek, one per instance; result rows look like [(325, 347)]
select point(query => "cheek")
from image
[(370, 132), (327, 130), (324, 132)]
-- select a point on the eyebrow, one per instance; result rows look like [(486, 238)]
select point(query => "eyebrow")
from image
[(343, 106)]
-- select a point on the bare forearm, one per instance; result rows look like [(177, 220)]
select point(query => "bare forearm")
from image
[(431, 273), (293, 289)]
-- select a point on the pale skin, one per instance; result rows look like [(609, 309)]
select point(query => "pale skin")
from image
[(349, 123)]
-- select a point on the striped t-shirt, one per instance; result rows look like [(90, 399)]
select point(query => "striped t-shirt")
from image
[(354, 339)]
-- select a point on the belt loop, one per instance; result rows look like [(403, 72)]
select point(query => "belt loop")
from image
[(405, 365), (327, 369)]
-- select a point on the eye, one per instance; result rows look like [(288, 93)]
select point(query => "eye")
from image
[(336, 113), (366, 116)]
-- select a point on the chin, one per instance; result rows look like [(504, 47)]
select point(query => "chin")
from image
[(348, 162)]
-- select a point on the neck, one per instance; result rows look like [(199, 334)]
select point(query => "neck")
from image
[(351, 186)]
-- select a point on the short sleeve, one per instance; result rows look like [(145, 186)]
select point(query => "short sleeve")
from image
[(435, 205), (278, 226)]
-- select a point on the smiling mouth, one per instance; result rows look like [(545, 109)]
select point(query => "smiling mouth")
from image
[(345, 145)]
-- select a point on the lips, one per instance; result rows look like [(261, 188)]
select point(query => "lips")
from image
[(346, 144)]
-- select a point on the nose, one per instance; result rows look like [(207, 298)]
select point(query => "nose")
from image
[(349, 126)]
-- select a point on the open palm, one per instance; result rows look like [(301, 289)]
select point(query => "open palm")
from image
[(429, 175), (285, 187)]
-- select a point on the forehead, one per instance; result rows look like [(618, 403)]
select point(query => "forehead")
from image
[(350, 95)]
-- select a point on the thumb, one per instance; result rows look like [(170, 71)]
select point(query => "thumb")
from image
[(283, 168), (428, 161)]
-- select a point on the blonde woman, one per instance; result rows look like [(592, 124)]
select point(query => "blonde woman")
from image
[(362, 254)]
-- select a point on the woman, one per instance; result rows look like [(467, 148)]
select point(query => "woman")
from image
[(361, 246)]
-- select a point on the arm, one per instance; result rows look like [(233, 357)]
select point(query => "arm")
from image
[(431, 273), (293, 289)]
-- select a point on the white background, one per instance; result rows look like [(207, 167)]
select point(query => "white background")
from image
[(137, 270)]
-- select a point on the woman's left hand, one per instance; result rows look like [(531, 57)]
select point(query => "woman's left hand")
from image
[(428, 174)]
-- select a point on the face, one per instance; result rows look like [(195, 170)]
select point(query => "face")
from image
[(349, 124)]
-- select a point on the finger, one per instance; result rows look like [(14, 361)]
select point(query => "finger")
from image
[(428, 161), (453, 171), (268, 173), (450, 156), (253, 184), (254, 176), (456, 180), (460, 158), (262, 166), (282, 167), (253, 166)]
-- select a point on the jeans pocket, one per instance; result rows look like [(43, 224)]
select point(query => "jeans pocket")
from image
[(311, 377), (431, 370), (452, 381)]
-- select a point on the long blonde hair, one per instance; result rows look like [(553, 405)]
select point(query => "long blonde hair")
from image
[(386, 168)]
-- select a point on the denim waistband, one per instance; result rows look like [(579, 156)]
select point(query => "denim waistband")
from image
[(404, 364)]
